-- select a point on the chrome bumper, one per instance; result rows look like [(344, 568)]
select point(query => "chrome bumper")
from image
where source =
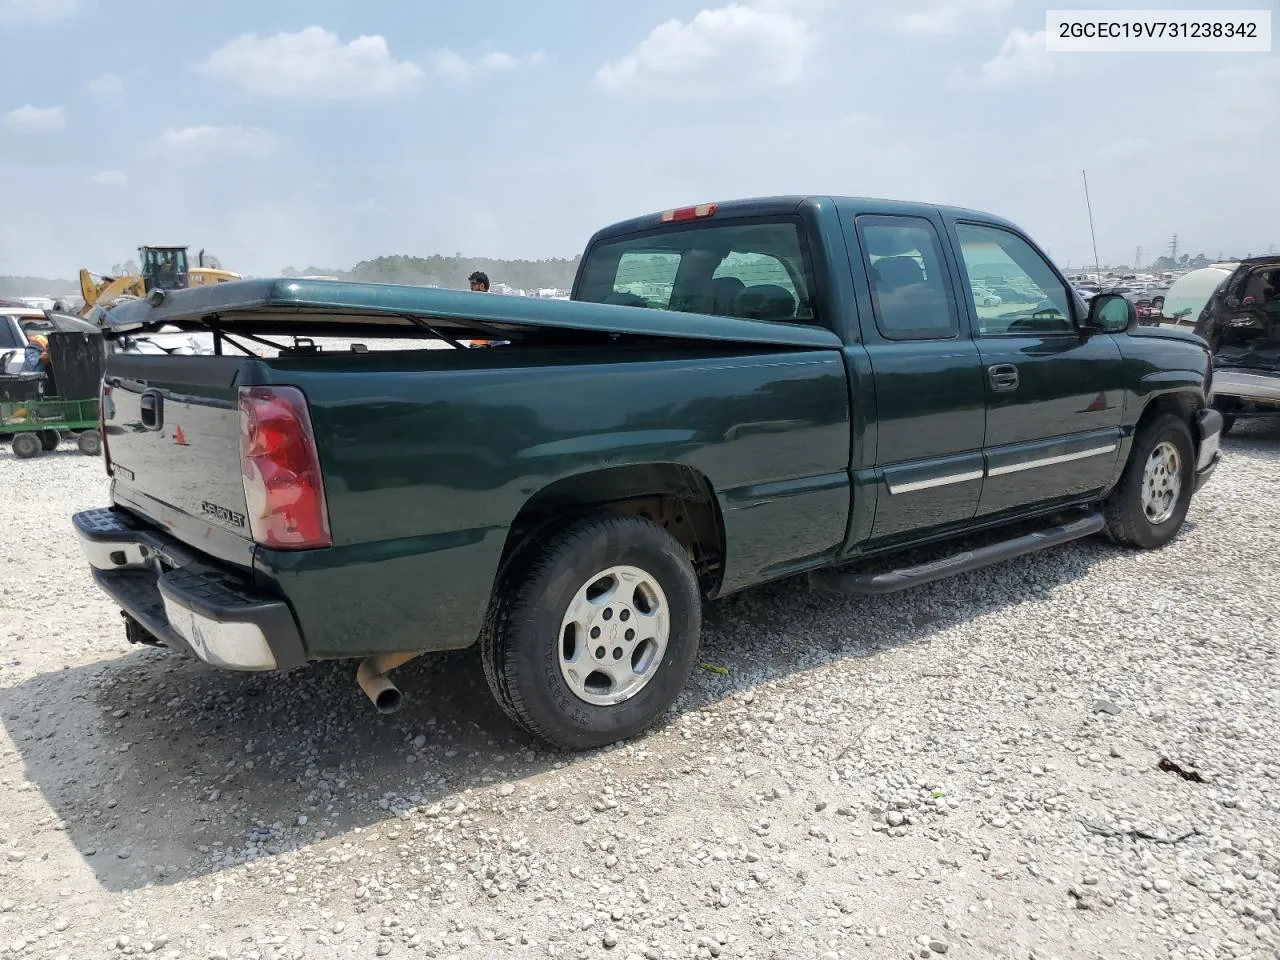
[(184, 601), (1247, 386)]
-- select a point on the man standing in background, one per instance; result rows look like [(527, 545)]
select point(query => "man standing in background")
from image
[(479, 284)]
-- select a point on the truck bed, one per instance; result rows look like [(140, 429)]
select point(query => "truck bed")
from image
[(430, 457)]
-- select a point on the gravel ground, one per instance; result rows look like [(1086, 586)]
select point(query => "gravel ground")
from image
[(972, 769)]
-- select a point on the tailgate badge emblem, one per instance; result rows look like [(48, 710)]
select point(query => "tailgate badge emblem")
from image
[(179, 437)]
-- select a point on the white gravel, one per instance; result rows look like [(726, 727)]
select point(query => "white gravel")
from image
[(970, 769)]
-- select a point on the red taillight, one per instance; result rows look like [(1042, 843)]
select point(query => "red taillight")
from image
[(104, 397), (689, 213), (281, 470)]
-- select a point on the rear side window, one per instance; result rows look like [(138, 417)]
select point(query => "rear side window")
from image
[(8, 337), (757, 271), (910, 291)]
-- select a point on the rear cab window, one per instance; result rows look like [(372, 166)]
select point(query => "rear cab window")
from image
[(757, 270)]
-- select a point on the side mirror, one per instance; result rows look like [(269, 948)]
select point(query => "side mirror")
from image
[(1112, 313)]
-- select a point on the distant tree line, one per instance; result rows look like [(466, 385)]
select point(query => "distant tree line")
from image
[(36, 287), (452, 272), (1183, 262)]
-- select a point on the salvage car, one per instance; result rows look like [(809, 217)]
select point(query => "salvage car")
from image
[(1241, 322), (804, 386)]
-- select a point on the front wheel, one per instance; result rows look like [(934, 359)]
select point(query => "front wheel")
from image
[(1151, 500), (594, 635), (49, 440)]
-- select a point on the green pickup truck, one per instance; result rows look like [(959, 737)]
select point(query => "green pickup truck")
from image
[(735, 393)]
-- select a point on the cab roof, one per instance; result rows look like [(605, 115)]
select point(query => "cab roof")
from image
[(794, 204)]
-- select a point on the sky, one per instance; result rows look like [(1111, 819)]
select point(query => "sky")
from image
[(278, 134)]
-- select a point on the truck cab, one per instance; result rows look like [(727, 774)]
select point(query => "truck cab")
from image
[(964, 413)]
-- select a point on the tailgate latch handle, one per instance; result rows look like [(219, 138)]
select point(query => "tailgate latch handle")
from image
[(151, 406)]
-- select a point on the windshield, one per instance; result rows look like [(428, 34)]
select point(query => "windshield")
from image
[(1190, 292), (164, 266), (735, 269)]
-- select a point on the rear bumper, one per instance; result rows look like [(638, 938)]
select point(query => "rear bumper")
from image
[(1208, 424), (185, 601), (1244, 385)]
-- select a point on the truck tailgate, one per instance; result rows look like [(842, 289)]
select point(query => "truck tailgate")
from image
[(172, 431)]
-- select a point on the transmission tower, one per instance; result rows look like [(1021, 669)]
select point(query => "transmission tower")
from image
[(1173, 248)]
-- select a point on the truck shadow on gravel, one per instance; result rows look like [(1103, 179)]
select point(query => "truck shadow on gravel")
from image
[(160, 769)]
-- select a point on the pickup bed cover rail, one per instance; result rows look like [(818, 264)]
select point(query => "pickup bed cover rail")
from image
[(340, 308)]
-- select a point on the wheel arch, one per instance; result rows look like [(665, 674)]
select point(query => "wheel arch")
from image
[(1183, 404), (677, 497)]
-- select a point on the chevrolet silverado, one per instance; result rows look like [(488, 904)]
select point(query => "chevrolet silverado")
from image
[(735, 393)]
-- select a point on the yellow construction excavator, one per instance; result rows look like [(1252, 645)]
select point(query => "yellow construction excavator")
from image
[(163, 267)]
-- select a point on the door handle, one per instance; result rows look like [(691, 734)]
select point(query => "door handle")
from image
[(1003, 376)]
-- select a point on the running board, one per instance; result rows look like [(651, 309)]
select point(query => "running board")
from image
[(892, 581)]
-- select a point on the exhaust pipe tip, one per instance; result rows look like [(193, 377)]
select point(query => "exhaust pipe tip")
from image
[(389, 700), (377, 686)]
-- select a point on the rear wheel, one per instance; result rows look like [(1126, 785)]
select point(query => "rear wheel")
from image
[(26, 445), (90, 443), (49, 440), (1151, 500), (594, 635)]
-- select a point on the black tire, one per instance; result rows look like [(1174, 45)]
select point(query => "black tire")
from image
[(1228, 421), (521, 645), (49, 440), (26, 445), (1127, 520), (90, 443)]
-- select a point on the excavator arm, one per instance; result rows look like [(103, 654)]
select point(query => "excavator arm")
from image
[(103, 291)]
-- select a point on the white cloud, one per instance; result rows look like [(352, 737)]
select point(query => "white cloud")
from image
[(110, 178), (457, 67), (31, 119), (1022, 57), (733, 49), (312, 64), (31, 10), (369, 207), (226, 139), (106, 85), (943, 16)]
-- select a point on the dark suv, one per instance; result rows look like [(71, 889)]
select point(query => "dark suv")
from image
[(1241, 322)]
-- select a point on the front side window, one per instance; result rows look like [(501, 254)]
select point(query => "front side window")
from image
[(8, 337), (910, 292), (1015, 292), (755, 271)]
